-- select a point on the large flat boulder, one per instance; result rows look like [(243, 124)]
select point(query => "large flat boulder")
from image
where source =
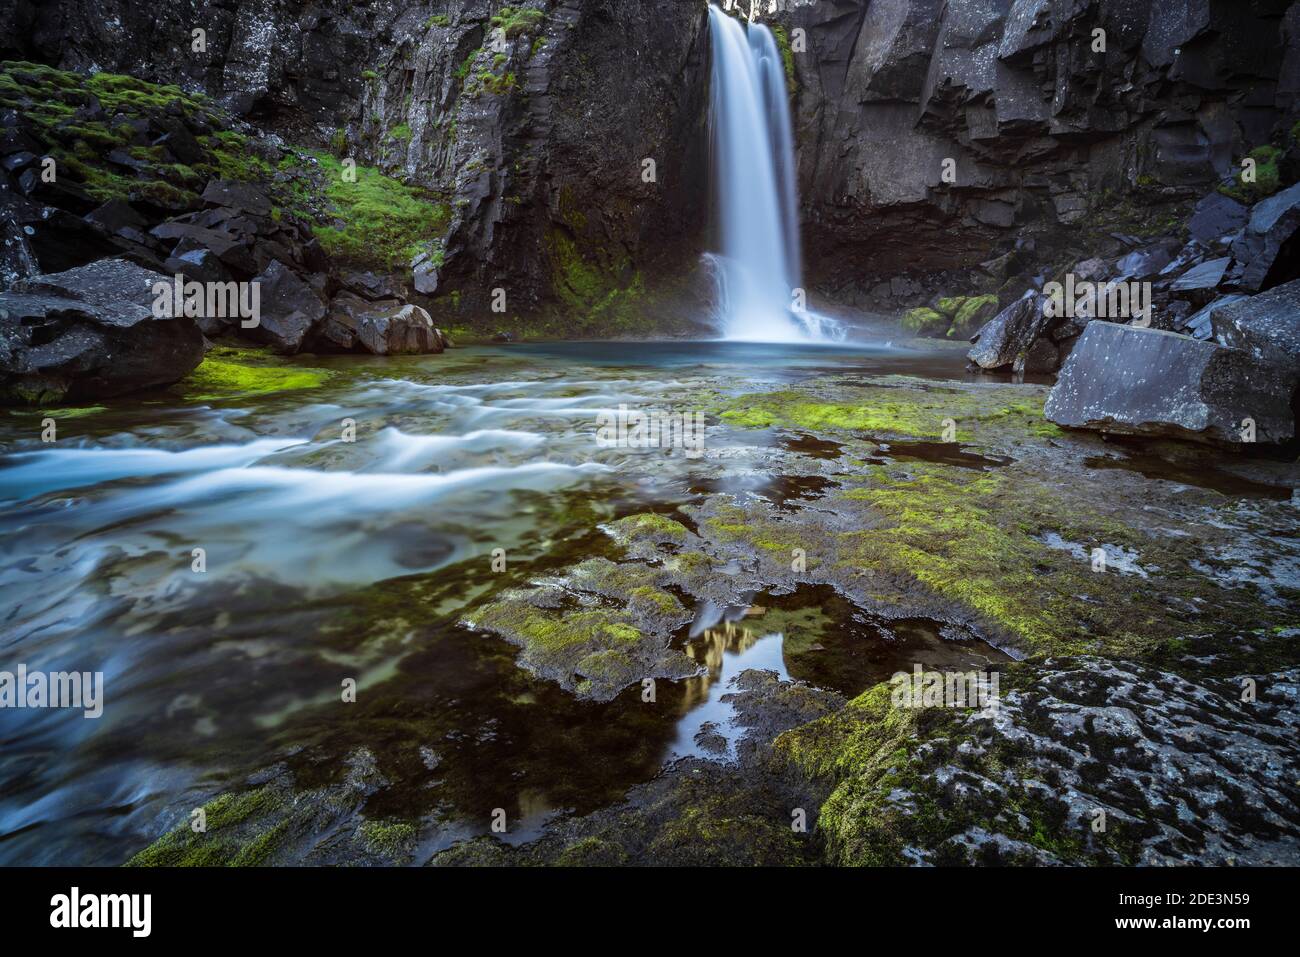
[(1133, 381), (91, 333)]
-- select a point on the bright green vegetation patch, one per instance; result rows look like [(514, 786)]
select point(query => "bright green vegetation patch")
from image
[(227, 372), (437, 20), (516, 21), (795, 410), (889, 410), (385, 222), (647, 527), (225, 840), (977, 541), (1267, 178), (389, 839), (78, 144)]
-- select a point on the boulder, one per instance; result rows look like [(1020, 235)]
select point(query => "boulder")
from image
[(1265, 248), (1217, 216), (289, 309), (1266, 326), (1134, 381), (371, 285), (241, 196), (1010, 333), (91, 333), (338, 332), (408, 330), (1200, 324)]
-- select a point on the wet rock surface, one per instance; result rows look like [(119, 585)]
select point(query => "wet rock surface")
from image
[(90, 333), (1134, 381)]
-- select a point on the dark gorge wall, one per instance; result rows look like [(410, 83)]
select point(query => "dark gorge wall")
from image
[(536, 143), (1051, 139)]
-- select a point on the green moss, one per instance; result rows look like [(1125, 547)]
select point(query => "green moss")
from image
[(924, 321), (787, 56), (387, 223), (973, 312), (223, 840), (647, 526), (225, 373), (369, 75), (437, 20), (390, 839), (516, 21), (794, 410), (1267, 177), (592, 852), (400, 133)]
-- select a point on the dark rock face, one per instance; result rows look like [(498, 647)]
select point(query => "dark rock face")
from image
[(540, 136), (1044, 131), (289, 309), (91, 333), (1134, 381)]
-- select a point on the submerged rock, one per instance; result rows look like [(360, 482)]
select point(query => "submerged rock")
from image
[(91, 333), (1134, 381)]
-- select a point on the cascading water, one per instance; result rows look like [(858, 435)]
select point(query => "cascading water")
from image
[(757, 269)]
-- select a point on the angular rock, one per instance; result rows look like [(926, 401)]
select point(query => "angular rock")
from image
[(1217, 216), (1266, 326), (91, 333), (289, 309), (1133, 381), (408, 330), (242, 196), (1039, 359), (1204, 277), (1200, 324), (1010, 333), (371, 285), (1268, 235), (338, 332)]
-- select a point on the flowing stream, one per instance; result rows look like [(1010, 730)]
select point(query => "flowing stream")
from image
[(328, 558)]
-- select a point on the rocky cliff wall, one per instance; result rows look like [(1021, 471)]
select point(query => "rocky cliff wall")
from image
[(1051, 136), (534, 128)]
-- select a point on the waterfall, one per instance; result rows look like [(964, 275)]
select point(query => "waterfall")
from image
[(757, 267)]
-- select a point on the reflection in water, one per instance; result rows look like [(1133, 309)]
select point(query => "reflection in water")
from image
[(708, 727)]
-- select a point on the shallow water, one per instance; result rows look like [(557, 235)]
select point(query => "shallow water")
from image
[(329, 559)]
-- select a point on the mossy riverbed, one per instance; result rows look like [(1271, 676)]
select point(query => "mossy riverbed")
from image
[(533, 622)]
